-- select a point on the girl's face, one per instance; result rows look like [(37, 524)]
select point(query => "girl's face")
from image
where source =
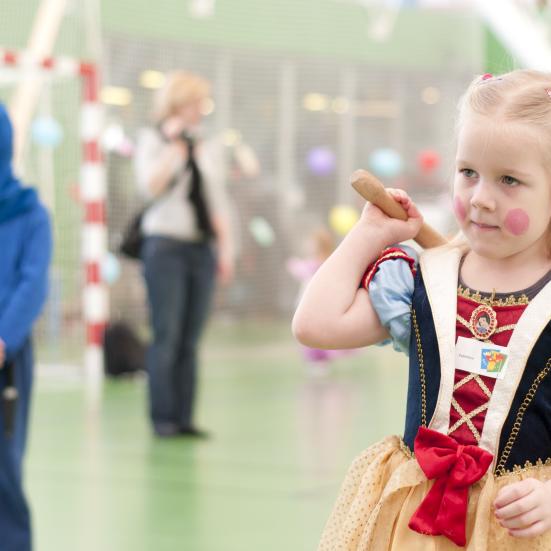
[(502, 188)]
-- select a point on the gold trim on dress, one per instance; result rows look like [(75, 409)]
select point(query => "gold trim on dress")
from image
[(499, 329), (475, 296), (520, 416), (477, 378), (384, 256), (421, 369), (466, 418), (528, 465), (517, 469), (405, 449)]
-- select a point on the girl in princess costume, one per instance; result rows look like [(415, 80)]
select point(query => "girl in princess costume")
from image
[(473, 468)]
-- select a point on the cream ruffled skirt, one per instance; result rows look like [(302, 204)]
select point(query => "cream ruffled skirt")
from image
[(384, 487)]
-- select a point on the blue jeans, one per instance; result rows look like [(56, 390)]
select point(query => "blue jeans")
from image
[(180, 281)]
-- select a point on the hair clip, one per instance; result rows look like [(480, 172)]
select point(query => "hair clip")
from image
[(488, 76)]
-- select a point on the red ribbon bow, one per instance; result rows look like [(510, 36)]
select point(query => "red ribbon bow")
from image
[(455, 468)]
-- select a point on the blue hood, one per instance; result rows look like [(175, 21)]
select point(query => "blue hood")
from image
[(14, 198)]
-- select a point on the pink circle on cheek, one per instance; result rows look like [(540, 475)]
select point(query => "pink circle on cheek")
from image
[(517, 221), (459, 209)]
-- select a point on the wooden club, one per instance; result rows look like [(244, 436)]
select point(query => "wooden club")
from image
[(372, 190)]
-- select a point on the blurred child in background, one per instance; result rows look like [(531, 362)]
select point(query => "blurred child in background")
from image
[(321, 244)]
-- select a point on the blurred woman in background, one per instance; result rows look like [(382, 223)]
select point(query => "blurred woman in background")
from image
[(187, 243)]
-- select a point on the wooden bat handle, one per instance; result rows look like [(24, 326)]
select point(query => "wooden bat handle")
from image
[(372, 190)]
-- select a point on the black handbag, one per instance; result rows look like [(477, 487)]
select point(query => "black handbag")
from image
[(132, 238), (123, 350)]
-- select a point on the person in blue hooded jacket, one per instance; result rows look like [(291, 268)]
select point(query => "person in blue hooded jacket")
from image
[(26, 244)]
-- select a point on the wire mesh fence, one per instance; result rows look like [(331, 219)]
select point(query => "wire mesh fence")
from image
[(289, 130)]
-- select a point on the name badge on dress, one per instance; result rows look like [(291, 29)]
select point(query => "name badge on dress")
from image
[(483, 358)]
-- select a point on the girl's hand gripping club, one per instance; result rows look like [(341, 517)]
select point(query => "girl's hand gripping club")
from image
[(372, 190)]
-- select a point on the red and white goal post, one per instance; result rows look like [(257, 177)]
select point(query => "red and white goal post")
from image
[(92, 190)]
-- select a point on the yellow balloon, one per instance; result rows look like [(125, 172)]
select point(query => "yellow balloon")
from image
[(342, 218)]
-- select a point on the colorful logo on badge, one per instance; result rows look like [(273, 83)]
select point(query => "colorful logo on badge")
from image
[(492, 360)]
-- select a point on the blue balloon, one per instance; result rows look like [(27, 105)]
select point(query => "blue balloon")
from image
[(385, 163), (46, 131), (110, 269)]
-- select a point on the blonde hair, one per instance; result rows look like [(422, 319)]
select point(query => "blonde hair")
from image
[(522, 96), (180, 89)]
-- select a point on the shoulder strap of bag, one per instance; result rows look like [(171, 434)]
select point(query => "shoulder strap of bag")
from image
[(165, 191), (169, 186)]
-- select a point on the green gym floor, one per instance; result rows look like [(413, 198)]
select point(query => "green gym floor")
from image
[(282, 438)]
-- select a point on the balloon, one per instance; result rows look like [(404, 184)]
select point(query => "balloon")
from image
[(321, 161), (385, 163), (46, 131), (110, 269), (428, 160), (113, 137), (342, 218), (261, 231), (126, 148)]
